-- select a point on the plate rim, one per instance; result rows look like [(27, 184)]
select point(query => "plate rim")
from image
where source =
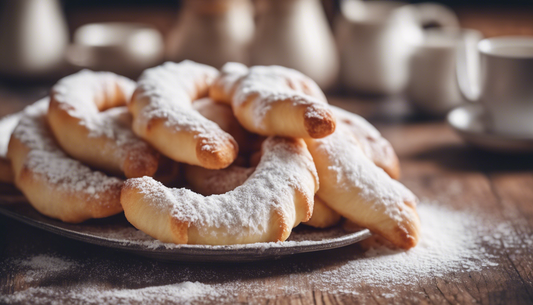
[(199, 253)]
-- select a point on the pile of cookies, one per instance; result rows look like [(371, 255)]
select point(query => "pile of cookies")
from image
[(259, 148)]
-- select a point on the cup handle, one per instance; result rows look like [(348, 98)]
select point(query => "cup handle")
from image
[(434, 13), (468, 65)]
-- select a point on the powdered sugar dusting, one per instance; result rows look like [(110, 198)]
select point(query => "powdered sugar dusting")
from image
[(40, 266), (369, 138), (267, 85), (181, 293), (170, 90), (7, 125), (450, 242), (84, 93), (50, 162), (232, 217), (454, 244), (229, 76), (125, 144), (129, 236), (344, 169)]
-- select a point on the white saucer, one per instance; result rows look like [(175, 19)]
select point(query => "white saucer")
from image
[(467, 121)]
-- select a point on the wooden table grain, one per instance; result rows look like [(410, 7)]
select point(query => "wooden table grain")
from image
[(433, 161)]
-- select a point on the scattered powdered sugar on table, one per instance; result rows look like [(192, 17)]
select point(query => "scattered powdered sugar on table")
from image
[(450, 243), (45, 265), (48, 263), (181, 293), (453, 244)]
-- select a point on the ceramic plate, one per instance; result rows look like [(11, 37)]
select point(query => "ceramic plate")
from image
[(467, 121), (115, 232)]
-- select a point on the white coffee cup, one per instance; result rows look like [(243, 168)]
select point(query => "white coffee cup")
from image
[(433, 84), (376, 40), (503, 84)]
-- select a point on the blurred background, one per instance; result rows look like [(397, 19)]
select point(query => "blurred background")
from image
[(350, 47)]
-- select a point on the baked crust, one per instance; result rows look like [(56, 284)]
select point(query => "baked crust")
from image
[(87, 124), (7, 125), (54, 184), (265, 208), (352, 185), (375, 147), (274, 101), (163, 115)]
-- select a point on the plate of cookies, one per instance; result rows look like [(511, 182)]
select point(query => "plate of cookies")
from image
[(190, 163)]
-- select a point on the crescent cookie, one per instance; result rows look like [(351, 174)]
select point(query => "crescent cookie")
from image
[(274, 101), (89, 125), (375, 147), (352, 185), (273, 200), (164, 116), (223, 116), (208, 182), (55, 184), (7, 125)]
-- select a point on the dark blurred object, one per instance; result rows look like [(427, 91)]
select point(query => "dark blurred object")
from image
[(73, 4), (498, 20), (485, 3), (212, 32), (177, 3)]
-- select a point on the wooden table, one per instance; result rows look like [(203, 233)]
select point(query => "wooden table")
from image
[(434, 161)]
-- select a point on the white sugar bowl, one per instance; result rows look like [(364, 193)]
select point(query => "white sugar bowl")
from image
[(123, 48)]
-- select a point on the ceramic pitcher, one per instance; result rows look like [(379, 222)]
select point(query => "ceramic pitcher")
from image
[(212, 32), (295, 34), (33, 38), (377, 39)]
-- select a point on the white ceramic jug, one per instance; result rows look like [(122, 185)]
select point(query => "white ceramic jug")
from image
[(296, 34), (377, 39), (212, 32), (33, 38)]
